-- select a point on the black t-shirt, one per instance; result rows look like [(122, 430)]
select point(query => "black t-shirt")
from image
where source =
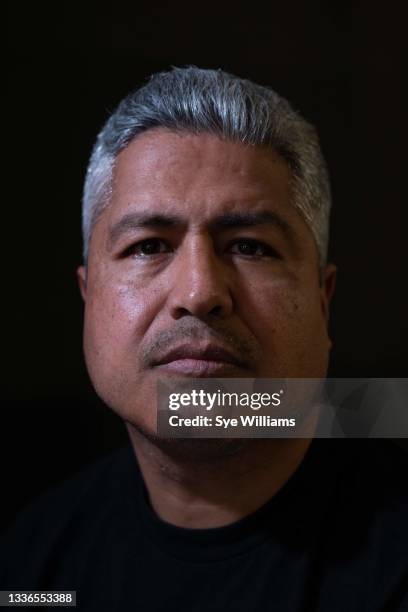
[(334, 538)]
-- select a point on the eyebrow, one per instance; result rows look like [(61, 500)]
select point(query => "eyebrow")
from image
[(132, 221), (250, 219)]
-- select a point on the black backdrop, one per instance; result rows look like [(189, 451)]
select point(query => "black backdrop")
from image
[(68, 67)]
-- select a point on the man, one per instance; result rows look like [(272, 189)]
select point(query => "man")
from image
[(205, 223)]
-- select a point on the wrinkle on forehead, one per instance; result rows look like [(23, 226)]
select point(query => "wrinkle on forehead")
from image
[(207, 160)]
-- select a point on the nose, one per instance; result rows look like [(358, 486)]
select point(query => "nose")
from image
[(200, 283)]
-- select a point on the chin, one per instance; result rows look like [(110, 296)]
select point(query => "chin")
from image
[(202, 450)]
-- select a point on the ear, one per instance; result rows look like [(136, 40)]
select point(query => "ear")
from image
[(327, 289), (81, 275)]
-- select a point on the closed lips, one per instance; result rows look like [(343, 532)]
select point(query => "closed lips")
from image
[(209, 353)]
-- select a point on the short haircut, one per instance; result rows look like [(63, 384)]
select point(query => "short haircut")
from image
[(200, 101)]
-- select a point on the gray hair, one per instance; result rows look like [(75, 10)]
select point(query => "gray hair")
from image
[(212, 101)]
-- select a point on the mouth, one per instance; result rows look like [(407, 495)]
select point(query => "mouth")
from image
[(196, 362)]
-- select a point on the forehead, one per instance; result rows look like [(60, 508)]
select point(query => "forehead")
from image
[(200, 175)]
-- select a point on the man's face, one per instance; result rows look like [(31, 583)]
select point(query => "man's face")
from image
[(200, 266)]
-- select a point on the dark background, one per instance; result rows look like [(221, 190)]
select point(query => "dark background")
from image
[(68, 67)]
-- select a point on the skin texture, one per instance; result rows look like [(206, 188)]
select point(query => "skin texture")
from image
[(254, 290)]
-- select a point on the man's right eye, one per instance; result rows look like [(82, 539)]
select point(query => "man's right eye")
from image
[(147, 248)]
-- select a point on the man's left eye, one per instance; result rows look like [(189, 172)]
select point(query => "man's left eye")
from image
[(252, 248)]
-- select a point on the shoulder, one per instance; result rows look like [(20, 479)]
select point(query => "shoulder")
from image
[(378, 469), (380, 485), (93, 481), (378, 464), (369, 476), (63, 516), (367, 530)]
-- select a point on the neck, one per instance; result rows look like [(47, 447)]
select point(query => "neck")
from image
[(203, 484)]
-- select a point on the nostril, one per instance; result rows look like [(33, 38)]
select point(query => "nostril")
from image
[(217, 310), (181, 312)]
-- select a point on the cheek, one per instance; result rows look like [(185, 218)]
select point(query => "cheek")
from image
[(288, 322), (117, 316)]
